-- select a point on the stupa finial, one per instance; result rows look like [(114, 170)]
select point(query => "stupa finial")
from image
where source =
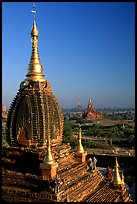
[(116, 179), (122, 176), (34, 10), (35, 70), (48, 158), (80, 148)]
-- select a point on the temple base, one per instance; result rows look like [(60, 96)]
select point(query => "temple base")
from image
[(49, 171), (80, 157)]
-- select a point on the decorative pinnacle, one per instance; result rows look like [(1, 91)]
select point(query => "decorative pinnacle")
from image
[(34, 31), (49, 159), (116, 179), (117, 165), (35, 70), (80, 148), (122, 176)]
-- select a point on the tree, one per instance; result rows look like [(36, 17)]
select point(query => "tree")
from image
[(73, 143), (132, 139), (94, 130), (4, 142), (67, 133)]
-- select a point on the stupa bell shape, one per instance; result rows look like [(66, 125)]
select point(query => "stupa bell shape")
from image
[(35, 112)]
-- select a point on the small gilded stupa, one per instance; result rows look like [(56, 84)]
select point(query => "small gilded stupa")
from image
[(34, 113), (116, 179), (80, 154)]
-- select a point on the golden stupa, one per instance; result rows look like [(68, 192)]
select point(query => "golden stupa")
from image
[(34, 113), (116, 179), (80, 148)]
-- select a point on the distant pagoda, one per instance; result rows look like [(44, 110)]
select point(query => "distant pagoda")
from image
[(91, 113), (78, 106), (34, 113)]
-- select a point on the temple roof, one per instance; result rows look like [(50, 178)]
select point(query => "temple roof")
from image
[(77, 184)]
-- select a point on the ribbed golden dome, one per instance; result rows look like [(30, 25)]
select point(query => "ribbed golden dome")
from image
[(33, 116)]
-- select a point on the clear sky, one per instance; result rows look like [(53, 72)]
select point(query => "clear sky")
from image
[(87, 50)]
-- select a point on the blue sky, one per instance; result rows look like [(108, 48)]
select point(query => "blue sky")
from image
[(87, 50)]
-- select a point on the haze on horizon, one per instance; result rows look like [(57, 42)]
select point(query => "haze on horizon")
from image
[(87, 50)]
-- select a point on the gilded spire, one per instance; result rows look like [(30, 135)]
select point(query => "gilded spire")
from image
[(116, 179), (35, 70), (80, 148), (48, 158), (122, 176)]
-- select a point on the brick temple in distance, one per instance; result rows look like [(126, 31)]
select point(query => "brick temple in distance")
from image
[(38, 166), (4, 111), (90, 113)]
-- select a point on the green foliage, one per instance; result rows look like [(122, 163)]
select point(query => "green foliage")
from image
[(67, 133), (4, 142), (4, 120), (129, 180), (122, 136), (4, 133), (94, 130), (119, 116), (73, 143), (132, 138), (83, 121), (88, 144), (76, 129)]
